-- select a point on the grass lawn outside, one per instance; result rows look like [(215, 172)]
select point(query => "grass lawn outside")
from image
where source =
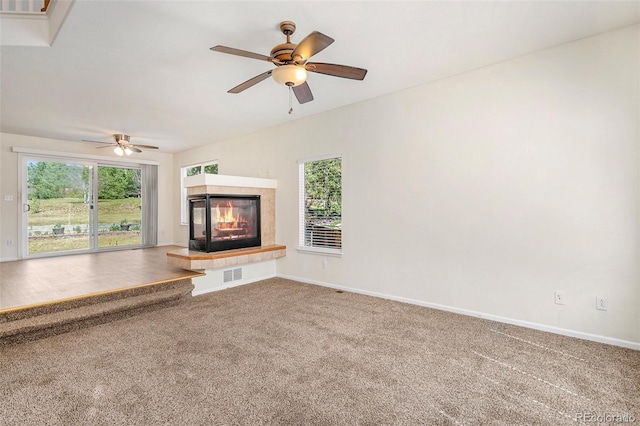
[(73, 211), (73, 215), (52, 243)]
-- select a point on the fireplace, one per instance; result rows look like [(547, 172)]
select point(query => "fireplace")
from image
[(224, 222)]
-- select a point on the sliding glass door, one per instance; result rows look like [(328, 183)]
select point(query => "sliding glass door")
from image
[(59, 206), (75, 206), (119, 211)]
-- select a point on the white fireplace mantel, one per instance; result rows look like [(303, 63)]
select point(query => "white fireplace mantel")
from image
[(225, 180)]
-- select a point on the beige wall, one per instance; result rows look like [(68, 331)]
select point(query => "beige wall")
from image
[(9, 169), (482, 193)]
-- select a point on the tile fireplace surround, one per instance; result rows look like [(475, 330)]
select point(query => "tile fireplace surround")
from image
[(233, 185)]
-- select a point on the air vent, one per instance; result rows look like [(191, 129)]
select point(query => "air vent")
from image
[(237, 274), (232, 275)]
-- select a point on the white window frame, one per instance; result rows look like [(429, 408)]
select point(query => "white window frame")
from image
[(301, 209), (184, 201)]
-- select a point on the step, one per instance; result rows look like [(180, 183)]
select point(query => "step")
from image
[(43, 321)]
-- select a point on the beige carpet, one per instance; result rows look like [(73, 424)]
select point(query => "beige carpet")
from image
[(281, 352)]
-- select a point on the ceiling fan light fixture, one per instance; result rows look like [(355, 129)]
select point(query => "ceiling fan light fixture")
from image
[(289, 75), (118, 150), (127, 150)]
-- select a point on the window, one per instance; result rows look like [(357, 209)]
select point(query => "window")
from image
[(321, 204), (210, 167)]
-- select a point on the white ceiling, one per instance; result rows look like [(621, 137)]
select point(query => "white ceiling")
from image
[(144, 67)]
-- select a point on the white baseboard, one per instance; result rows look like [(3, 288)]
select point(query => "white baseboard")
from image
[(169, 244), (527, 324), (8, 259)]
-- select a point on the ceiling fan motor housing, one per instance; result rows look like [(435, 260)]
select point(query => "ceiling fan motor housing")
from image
[(121, 138), (282, 52)]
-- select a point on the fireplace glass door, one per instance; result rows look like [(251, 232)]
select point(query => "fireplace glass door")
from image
[(224, 222)]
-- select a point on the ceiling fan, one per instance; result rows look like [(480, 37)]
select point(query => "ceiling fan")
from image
[(122, 145), (291, 63)]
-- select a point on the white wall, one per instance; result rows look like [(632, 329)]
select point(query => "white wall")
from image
[(9, 169), (484, 192)]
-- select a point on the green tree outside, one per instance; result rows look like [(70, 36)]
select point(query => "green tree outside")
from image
[(55, 180), (323, 187), (115, 183), (48, 180), (210, 169)]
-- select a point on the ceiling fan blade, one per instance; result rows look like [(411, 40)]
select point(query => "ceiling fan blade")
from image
[(303, 93), (239, 52), (134, 148), (309, 46), (251, 82), (111, 145), (144, 146), (336, 70), (87, 140)]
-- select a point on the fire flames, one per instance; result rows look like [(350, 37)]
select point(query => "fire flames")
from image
[(226, 219)]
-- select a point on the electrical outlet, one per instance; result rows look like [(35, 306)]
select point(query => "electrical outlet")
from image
[(559, 298), (9, 243), (8, 197), (601, 303)]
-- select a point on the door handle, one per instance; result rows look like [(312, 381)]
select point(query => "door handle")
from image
[(26, 208)]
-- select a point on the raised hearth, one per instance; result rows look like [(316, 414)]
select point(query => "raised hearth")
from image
[(196, 260)]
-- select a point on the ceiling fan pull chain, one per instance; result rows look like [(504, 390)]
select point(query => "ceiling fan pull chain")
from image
[(290, 100)]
